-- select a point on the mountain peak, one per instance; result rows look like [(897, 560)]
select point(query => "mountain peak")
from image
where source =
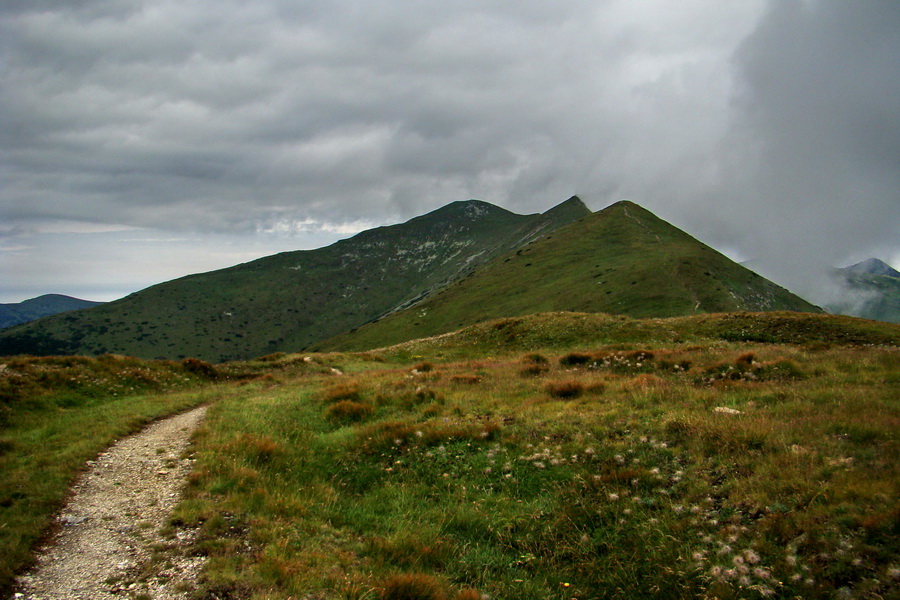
[(573, 208), (872, 266)]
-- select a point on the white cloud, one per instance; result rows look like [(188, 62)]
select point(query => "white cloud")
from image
[(282, 118)]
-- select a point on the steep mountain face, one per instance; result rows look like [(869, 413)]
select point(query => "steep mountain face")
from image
[(291, 300), (42, 306), (869, 289), (622, 260)]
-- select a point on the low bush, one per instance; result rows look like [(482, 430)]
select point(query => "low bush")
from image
[(565, 389), (533, 370), (200, 367), (412, 587), (535, 359), (574, 359), (348, 411), (342, 391)]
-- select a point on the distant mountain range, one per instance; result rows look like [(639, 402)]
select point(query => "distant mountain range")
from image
[(461, 264), (42, 306), (869, 289)]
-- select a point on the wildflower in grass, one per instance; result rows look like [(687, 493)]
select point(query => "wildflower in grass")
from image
[(744, 581), (627, 511), (678, 508), (751, 557), (619, 459), (716, 571), (893, 573), (796, 577), (762, 573), (725, 549), (729, 574), (698, 556), (613, 497), (738, 561), (695, 509), (810, 581), (539, 464)]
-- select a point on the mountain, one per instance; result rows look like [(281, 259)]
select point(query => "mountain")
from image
[(622, 260), (872, 266), (293, 299), (869, 289), (42, 306)]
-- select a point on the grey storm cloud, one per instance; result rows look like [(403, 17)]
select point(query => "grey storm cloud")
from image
[(810, 164), (754, 125)]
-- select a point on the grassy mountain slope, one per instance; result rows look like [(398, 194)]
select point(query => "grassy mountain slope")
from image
[(42, 306), (550, 456), (621, 260), (872, 290), (293, 299)]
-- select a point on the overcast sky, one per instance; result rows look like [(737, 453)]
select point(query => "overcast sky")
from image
[(142, 140)]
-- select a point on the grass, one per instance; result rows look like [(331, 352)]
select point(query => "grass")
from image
[(491, 484), (57, 413), (374, 476)]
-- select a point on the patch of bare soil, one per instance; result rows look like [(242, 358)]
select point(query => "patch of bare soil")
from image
[(111, 526)]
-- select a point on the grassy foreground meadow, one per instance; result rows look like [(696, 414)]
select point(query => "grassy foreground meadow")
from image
[(554, 457)]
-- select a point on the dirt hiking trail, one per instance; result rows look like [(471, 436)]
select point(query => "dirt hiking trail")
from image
[(112, 521)]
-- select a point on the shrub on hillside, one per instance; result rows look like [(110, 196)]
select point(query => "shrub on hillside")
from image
[(348, 411), (342, 391), (466, 379), (565, 389), (533, 370), (200, 367), (574, 359), (409, 586), (535, 359), (746, 369)]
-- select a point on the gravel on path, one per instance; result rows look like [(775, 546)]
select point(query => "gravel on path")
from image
[(112, 522)]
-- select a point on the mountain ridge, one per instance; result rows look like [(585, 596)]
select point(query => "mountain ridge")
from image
[(15, 313), (620, 260), (292, 299)]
